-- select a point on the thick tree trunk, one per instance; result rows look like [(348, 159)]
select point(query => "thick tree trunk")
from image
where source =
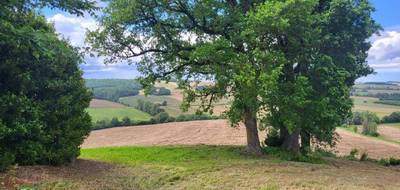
[(291, 141), (253, 141), (305, 141)]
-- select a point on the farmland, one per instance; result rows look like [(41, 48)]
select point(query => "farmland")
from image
[(106, 110), (369, 104)]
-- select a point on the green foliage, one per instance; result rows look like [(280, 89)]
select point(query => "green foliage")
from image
[(273, 139), (113, 89), (369, 123), (42, 94), (392, 118), (149, 107), (389, 162), (290, 63), (353, 154)]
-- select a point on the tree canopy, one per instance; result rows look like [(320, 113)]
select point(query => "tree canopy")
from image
[(288, 64), (42, 93)]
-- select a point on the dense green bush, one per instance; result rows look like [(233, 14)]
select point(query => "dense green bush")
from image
[(42, 96), (392, 118)]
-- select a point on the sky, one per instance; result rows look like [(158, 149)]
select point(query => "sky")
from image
[(384, 55)]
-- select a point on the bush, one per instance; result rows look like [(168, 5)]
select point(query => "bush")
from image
[(273, 138), (126, 121), (390, 162), (392, 118), (6, 159), (364, 156), (115, 122), (359, 117), (161, 117), (353, 154), (43, 95)]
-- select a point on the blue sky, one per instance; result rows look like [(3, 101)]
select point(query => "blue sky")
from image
[(384, 56)]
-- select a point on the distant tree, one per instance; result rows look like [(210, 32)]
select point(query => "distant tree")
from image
[(392, 118), (115, 122), (289, 64), (42, 93), (126, 121), (370, 124)]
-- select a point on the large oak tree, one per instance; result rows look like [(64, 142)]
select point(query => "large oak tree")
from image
[(286, 63)]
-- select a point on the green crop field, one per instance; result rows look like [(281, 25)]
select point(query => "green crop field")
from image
[(369, 104), (108, 113)]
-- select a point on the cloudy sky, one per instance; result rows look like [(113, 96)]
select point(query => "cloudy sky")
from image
[(384, 56)]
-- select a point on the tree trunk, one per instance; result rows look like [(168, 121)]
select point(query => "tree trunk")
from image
[(253, 141), (291, 141), (305, 141)]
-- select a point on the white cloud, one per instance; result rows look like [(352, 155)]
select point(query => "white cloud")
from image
[(72, 27), (384, 54)]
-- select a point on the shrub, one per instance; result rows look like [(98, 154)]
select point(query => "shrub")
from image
[(390, 162), (364, 156), (273, 138), (370, 128), (355, 129), (161, 117), (6, 159), (353, 154), (392, 118), (115, 122), (126, 121), (360, 117), (43, 95)]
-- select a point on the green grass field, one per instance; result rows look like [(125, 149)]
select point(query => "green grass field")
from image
[(369, 104), (210, 167), (108, 113)]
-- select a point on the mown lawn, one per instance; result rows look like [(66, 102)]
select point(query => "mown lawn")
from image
[(108, 113), (209, 167)]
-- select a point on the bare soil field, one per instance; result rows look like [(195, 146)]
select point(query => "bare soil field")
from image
[(389, 132), (97, 103), (218, 132)]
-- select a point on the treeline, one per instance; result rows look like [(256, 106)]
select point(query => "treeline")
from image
[(392, 118), (149, 107), (162, 117), (113, 89), (359, 117)]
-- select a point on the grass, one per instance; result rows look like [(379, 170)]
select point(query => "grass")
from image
[(213, 167), (369, 104), (108, 113)]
